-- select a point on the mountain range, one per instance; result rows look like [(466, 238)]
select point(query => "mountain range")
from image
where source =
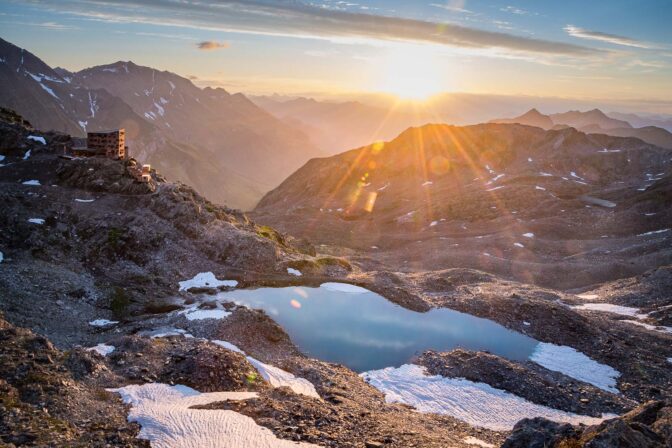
[(337, 126), (593, 122), (220, 143)]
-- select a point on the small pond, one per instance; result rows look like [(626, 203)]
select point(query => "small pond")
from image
[(365, 331)]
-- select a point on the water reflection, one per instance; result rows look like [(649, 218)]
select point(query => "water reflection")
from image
[(365, 331)]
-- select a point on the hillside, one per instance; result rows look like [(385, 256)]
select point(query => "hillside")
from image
[(228, 130), (555, 207), (220, 143)]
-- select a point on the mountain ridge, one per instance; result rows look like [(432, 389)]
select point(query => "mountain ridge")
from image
[(593, 121), (227, 147)]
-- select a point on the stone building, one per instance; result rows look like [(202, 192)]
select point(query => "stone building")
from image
[(111, 144)]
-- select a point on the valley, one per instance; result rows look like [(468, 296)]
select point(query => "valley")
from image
[(93, 244), (368, 259)]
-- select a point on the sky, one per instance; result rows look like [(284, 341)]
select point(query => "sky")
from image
[(615, 49)]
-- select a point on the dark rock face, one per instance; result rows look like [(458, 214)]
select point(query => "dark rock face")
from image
[(539, 433), (647, 426), (195, 363)]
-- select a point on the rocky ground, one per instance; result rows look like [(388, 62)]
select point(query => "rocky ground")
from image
[(44, 402), (111, 248), (650, 425)]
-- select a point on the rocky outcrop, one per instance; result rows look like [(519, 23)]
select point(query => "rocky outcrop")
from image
[(43, 404), (647, 426)]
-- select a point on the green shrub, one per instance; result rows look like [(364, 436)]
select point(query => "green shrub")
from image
[(119, 302)]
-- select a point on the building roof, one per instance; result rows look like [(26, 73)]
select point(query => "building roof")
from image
[(109, 131)]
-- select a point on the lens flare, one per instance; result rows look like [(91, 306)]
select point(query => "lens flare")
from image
[(295, 304), (370, 201)]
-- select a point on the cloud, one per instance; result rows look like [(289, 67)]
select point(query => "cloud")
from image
[(453, 6), (53, 26), (575, 31), (517, 11), (302, 20), (212, 45)]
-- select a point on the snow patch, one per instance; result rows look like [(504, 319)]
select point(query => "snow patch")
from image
[(279, 378), (101, 349), (206, 279), (227, 345), (575, 364), (609, 308), (344, 287), (588, 296), (528, 235), (39, 221), (93, 106), (654, 232), (37, 138), (427, 183), (275, 376), (518, 245), (495, 188), (84, 200), (83, 124), (102, 322), (26, 156), (537, 187), (167, 332), (33, 182), (49, 91), (477, 404), (658, 328), (477, 442), (292, 271), (205, 314), (167, 419)]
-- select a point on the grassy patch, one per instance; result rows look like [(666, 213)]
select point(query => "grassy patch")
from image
[(271, 234), (119, 302), (114, 236)]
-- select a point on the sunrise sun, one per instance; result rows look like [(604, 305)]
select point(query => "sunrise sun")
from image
[(411, 73)]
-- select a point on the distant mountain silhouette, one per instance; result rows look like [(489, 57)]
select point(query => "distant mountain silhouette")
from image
[(592, 122), (530, 118)]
